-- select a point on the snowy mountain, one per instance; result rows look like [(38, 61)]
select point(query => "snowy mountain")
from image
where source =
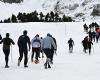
[(80, 10)]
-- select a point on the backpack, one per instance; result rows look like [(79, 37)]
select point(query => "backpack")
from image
[(36, 43), (36, 40)]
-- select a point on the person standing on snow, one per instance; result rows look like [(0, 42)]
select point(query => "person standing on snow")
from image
[(71, 43), (36, 48), (6, 47), (23, 48), (84, 43), (89, 45), (46, 46)]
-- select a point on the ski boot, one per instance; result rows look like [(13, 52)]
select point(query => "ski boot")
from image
[(6, 66), (45, 65), (36, 61)]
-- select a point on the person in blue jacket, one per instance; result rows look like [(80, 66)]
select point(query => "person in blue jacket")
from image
[(23, 48)]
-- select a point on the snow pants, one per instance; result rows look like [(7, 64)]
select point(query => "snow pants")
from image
[(25, 52), (6, 52), (48, 55), (37, 51)]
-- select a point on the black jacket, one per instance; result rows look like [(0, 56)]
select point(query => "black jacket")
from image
[(7, 42), (23, 41)]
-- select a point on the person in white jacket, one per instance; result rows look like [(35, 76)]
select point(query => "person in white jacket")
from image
[(47, 44), (36, 47)]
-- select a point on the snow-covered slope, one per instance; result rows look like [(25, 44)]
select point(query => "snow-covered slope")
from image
[(79, 10), (75, 66)]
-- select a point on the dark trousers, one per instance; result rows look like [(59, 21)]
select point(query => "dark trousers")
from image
[(37, 51), (97, 38), (85, 48), (52, 54), (70, 48), (89, 49), (48, 55), (6, 52), (25, 52)]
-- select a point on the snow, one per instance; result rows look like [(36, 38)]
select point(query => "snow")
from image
[(67, 66)]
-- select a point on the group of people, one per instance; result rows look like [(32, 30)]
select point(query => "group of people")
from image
[(45, 45), (87, 42), (93, 31), (93, 35)]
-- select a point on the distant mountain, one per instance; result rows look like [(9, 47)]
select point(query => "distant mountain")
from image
[(79, 10)]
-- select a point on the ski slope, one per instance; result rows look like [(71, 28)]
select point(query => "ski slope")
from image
[(75, 66)]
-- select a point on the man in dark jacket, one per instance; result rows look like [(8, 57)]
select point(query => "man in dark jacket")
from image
[(23, 49), (6, 47), (71, 43), (84, 43)]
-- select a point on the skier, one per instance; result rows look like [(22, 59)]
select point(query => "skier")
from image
[(90, 27), (23, 49), (71, 43), (6, 47), (85, 28), (46, 46), (84, 43), (36, 48), (89, 45)]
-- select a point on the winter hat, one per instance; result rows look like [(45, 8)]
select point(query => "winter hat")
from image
[(25, 32), (37, 35), (48, 34), (7, 34)]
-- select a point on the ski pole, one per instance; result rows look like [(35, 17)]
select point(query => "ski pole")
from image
[(93, 50), (42, 60), (29, 55), (42, 56), (11, 55)]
